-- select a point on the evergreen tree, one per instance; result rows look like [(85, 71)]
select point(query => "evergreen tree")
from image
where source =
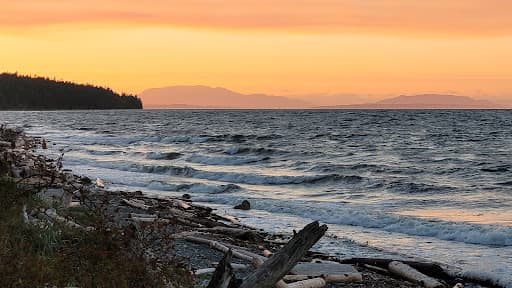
[(38, 93)]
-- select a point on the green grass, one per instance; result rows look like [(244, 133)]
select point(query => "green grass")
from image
[(41, 255)]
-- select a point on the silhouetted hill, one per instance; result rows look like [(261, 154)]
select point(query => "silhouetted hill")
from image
[(208, 97), (423, 101), (37, 93)]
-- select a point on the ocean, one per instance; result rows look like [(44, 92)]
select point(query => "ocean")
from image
[(429, 184)]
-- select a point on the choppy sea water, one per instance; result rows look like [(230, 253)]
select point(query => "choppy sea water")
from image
[(431, 184)]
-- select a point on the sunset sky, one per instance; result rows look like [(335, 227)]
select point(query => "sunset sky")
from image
[(353, 50)]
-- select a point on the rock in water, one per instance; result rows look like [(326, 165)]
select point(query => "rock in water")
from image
[(186, 196), (172, 155), (245, 205)]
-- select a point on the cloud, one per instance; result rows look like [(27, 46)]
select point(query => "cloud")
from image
[(459, 17)]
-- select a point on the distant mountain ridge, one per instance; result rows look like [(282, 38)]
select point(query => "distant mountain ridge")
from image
[(423, 101), (38, 93), (204, 97)]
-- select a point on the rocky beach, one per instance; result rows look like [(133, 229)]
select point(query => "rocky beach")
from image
[(181, 243)]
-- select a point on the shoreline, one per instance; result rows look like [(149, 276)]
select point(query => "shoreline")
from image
[(182, 216)]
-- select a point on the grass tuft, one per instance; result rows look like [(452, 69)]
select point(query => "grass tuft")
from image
[(51, 254)]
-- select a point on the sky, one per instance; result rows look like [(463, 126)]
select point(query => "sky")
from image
[(324, 51)]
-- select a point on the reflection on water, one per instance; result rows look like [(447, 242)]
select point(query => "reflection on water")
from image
[(456, 215)]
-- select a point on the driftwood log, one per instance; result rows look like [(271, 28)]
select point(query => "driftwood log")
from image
[(235, 232), (309, 283), (344, 278), (223, 275), (407, 272), (235, 266), (219, 246), (430, 269), (283, 261), (136, 204)]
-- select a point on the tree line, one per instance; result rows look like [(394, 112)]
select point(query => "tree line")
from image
[(38, 93)]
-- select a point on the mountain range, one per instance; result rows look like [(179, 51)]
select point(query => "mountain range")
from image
[(423, 101), (204, 97), (201, 97)]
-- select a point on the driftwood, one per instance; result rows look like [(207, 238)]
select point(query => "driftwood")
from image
[(201, 207), (345, 278), (223, 275), (379, 270), (235, 266), (182, 204), (218, 246), (235, 232), (258, 262), (234, 221), (228, 218), (267, 253), (430, 269), (149, 220), (187, 222), (309, 283), (143, 215), (276, 267), (316, 269), (407, 272), (136, 204), (99, 183), (248, 253), (207, 222)]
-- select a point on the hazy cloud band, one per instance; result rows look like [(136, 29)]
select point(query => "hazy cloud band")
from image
[(467, 17)]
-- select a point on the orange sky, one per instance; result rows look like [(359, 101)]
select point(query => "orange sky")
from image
[(359, 50)]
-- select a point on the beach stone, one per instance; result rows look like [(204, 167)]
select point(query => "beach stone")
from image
[(85, 180), (324, 268), (186, 196), (245, 205)]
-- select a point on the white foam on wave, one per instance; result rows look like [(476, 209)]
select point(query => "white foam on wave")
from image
[(231, 160), (246, 178), (230, 177), (369, 217), (494, 274), (211, 189)]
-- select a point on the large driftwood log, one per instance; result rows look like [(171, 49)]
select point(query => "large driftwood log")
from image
[(223, 275), (258, 262), (411, 274), (344, 278), (430, 269), (218, 246), (278, 265)]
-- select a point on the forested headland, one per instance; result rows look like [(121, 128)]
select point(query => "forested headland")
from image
[(37, 93)]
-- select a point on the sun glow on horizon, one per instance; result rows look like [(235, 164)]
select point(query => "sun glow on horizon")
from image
[(260, 46)]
